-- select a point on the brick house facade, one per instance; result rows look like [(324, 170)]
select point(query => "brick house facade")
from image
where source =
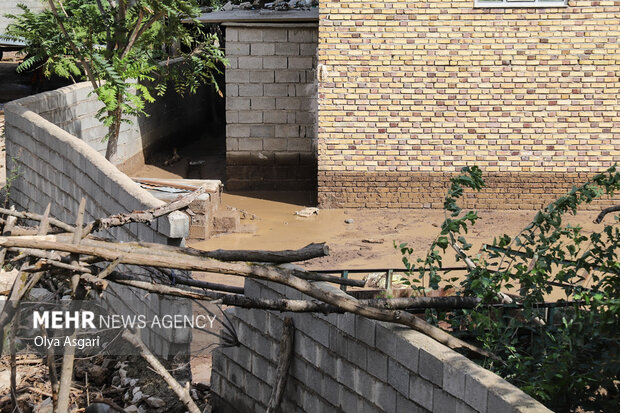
[(410, 92)]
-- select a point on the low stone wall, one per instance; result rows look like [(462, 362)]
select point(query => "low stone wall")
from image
[(348, 363), (271, 105), (48, 165)]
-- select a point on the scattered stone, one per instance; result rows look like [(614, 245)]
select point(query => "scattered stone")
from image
[(373, 240), (228, 6), (46, 406), (131, 409), (246, 5), (155, 402), (137, 396), (348, 221)]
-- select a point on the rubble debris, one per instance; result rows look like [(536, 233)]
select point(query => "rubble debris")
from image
[(307, 212)]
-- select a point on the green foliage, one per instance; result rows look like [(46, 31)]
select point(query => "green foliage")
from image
[(566, 356), (124, 49)]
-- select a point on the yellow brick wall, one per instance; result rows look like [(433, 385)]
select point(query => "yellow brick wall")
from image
[(430, 86)]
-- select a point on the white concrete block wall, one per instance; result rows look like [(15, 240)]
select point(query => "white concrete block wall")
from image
[(49, 165), (10, 7), (271, 105), (348, 363)]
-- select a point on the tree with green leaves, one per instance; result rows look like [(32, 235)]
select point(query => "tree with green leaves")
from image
[(129, 50), (566, 352)]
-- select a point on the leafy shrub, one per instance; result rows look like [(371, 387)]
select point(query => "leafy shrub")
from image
[(564, 353)]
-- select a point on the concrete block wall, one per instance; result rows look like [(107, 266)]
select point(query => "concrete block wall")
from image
[(10, 7), (46, 164), (413, 91), (73, 108), (271, 105), (348, 363)]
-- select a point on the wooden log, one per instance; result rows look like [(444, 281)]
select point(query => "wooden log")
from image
[(278, 274), (111, 250), (284, 362), (308, 252)]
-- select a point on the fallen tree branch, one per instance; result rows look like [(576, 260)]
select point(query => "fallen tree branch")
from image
[(279, 257), (284, 362), (298, 306), (181, 392), (606, 211), (36, 217), (142, 216)]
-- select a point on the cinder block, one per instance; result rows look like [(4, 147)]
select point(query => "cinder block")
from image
[(287, 131), (263, 49), (238, 131), (397, 347), (378, 365), (232, 34), (250, 35), (299, 145), (307, 49), (348, 402), (263, 103), (251, 89), (462, 407), (421, 392), (249, 62), (274, 62), (232, 117), (398, 377), (250, 116), (275, 35), (262, 131), (365, 330), (240, 103), (431, 368), (302, 35), (403, 404), (280, 90), (262, 76), (237, 75), (444, 403), (275, 116), (384, 397), (274, 144), (454, 372), (357, 353), (301, 62), (287, 49), (330, 390), (289, 103), (250, 144), (237, 49), (287, 76)]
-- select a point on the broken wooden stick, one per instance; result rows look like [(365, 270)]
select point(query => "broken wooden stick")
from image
[(284, 362), (142, 216), (181, 392)]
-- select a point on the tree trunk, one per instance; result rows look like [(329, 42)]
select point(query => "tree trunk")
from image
[(114, 129)]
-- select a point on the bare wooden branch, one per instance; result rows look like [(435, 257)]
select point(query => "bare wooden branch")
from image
[(143, 216), (36, 217), (606, 211), (181, 392), (44, 225), (278, 274), (299, 306), (284, 362)]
